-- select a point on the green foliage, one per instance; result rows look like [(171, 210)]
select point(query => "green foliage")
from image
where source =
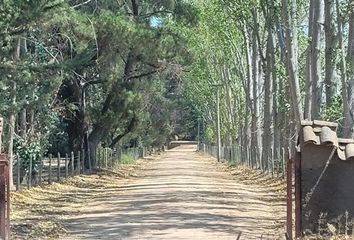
[(333, 112), (130, 72), (126, 159), (210, 136), (27, 151)]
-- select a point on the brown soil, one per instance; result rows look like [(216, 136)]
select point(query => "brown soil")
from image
[(178, 195)]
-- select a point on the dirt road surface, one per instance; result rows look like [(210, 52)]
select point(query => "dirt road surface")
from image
[(181, 195)]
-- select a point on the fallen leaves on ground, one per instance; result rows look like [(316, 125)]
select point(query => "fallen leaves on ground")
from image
[(38, 213)]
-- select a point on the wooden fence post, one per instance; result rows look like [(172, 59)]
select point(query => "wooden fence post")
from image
[(50, 169), (272, 159), (40, 172), (98, 157), (89, 161), (78, 162), (66, 165), (29, 178), (82, 164), (111, 161), (72, 164), (18, 173), (106, 158), (120, 154), (58, 173), (1, 127), (283, 161)]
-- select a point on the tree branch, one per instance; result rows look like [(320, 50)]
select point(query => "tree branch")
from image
[(135, 8), (81, 4), (131, 127), (142, 75), (155, 13)]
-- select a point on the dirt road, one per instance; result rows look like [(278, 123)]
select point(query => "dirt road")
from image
[(181, 196)]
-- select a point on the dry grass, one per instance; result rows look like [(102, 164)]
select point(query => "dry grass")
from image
[(328, 238), (253, 177), (275, 185), (38, 213)]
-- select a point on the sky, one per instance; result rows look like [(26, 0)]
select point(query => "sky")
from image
[(155, 22)]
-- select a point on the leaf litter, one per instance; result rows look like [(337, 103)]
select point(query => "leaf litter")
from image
[(39, 212)]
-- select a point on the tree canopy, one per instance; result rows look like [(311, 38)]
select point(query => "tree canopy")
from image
[(79, 74)]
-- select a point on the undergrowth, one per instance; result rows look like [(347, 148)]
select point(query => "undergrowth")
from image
[(126, 159)]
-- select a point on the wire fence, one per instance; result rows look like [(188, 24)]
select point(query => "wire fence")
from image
[(237, 156), (30, 172)]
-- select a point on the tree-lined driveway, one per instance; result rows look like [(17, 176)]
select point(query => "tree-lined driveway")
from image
[(182, 195)]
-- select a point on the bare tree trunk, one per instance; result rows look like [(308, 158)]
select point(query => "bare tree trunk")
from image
[(330, 59), (268, 97), (23, 123), (347, 123), (255, 135), (12, 117), (276, 120), (349, 115), (289, 18), (23, 113), (12, 121), (318, 9), (309, 79), (252, 76)]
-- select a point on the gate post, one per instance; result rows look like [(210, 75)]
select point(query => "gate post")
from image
[(4, 192), (289, 196), (298, 196), (4, 198), (1, 126)]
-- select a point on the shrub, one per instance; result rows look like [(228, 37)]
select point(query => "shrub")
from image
[(126, 159)]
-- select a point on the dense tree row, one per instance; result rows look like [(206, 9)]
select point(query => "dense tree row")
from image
[(278, 62), (76, 74)]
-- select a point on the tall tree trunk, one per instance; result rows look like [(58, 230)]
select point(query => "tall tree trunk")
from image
[(23, 112), (349, 115), (268, 98), (309, 78), (252, 83), (71, 91), (108, 115), (94, 140), (12, 121), (12, 116), (276, 120), (317, 23), (23, 123), (290, 20), (257, 74), (330, 56), (347, 120)]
